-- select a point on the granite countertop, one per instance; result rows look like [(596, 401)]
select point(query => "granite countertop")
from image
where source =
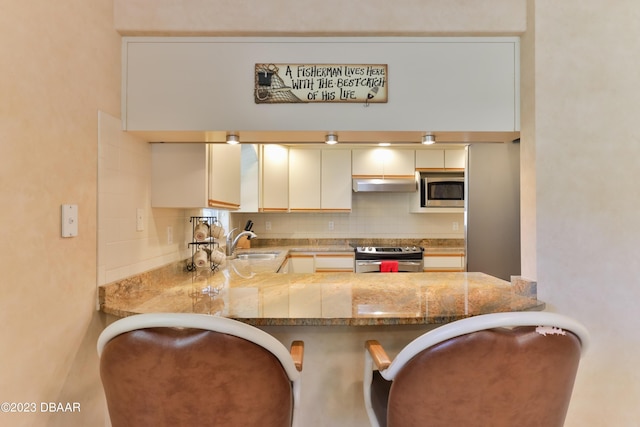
[(252, 291), (444, 251)]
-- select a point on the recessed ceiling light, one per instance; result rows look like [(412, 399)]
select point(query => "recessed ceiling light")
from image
[(384, 144)]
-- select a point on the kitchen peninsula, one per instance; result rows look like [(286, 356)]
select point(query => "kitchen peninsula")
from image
[(251, 290), (333, 313)]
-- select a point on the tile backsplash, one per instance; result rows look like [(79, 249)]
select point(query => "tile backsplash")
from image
[(373, 215), (124, 176)]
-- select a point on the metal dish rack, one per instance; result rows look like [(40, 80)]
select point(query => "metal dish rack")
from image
[(209, 243)]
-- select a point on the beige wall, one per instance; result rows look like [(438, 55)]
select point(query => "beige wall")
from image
[(60, 63), (587, 148), (528, 147), (320, 17)]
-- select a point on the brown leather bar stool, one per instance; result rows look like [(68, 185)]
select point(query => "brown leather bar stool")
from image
[(179, 369), (499, 370)]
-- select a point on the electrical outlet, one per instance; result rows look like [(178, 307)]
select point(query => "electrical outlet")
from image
[(455, 226), (169, 235), (331, 225), (267, 225)]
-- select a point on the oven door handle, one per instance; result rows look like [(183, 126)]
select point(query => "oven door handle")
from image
[(380, 262)]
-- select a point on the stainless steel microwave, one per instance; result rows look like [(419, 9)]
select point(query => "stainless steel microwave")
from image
[(441, 191)]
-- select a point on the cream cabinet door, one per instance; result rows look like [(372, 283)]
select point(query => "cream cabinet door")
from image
[(439, 160), (249, 178), (319, 179), (179, 175), (275, 178), (195, 176), (444, 262), (367, 162), (335, 191), (304, 179), (400, 162), (332, 262), (455, 159), (224, 176), (429, 159), (301, 263), (383, 162)]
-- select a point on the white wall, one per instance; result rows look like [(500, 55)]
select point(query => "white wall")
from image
[(434, 84)]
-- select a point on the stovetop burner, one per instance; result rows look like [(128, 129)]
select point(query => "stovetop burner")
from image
[(389, 249)]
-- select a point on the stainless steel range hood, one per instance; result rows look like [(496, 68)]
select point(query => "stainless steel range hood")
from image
[(389, 185)]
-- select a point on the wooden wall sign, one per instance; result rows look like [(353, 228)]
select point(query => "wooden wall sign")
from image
[(295, 83)]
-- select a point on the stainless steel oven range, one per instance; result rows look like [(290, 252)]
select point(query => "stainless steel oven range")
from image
[(375, 259)]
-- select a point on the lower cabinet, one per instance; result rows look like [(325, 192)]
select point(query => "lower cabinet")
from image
[(334, 262), (301, 263), (444, 262), (343, 262), (318, 262)]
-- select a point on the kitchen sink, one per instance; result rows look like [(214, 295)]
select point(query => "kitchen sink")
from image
[(258, 256)]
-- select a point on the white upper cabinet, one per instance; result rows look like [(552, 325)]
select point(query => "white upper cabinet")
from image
[(336, 180), (383, 162), (224, 176), (304, 179), (274, 185), (319, 179), (439, 160), (438, 84), (430, 159), (249, 178), (455, 159), (195, 176)]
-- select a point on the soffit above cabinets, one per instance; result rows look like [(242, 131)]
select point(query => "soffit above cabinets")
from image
[(409, 138)]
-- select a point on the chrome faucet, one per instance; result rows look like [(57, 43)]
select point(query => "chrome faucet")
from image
[(232, 243)]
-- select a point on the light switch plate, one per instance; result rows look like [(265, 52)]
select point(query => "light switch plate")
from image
[(139, 219), (69, 220)]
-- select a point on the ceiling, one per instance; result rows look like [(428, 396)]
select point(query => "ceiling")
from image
[(316, 137)]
